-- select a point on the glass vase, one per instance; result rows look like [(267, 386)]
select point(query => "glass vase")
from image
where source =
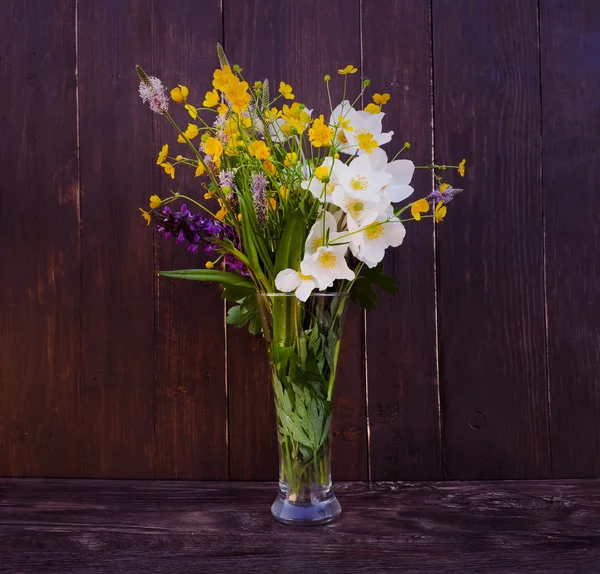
[(303, 344)]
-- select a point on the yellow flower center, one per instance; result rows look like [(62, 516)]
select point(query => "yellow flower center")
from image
[(374, 231), (330, 187), (328, 260), (359, 183), (355, 208), (304, 277)]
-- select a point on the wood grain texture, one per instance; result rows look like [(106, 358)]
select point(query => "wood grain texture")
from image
[(191, 398), (39, 241), (490, 249), (117, 390), (286, 41), (570, 42), (100, 526), (404, 413)]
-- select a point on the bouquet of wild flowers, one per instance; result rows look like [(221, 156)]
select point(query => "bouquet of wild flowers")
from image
[(302, 204)]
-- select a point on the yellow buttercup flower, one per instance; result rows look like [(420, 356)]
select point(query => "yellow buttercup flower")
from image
[(169, 169), (367, 142), (259, 150), (381, 99), (418, 207), (373, 108), (286, 91), (461, 167), (211, 99), (349, 69), (273, 203), (272, 114), (192, 111), (345, 124), (221, 78), (239, 217), (246, 122), (269, 167), (155, 201), (284, 191), (162, 156), (179, 94), (209, 265), (290, 159), (191, 132), (209, 195), (320, 134), (222, 109), (199, 170), (444, 187), (322, 172), (213, 147), (147, 217), (440, 212), (238, 95), (221, 214)]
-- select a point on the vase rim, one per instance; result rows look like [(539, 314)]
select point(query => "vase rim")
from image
[(325, 294)]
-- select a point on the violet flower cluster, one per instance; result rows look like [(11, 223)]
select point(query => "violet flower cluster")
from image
[(193, 230)]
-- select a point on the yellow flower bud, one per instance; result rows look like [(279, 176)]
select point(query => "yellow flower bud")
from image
[(155, 201), (209, 265), (179, 94)]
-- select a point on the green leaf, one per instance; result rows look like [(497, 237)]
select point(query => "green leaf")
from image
[(377, 277), (364, 294), (214, 275)]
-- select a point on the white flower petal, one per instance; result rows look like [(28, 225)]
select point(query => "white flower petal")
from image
[(305, 288), (287, 280)]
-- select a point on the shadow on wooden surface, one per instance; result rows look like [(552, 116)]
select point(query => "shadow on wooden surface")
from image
[(134, 526)]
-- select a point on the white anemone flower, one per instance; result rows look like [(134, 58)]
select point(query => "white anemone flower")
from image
[(327, 264), (301, 282), (361, 211), (316, 238), (401, 170), (368, 243), (316, 186), (344, 116), (359, 180), (365, 124)]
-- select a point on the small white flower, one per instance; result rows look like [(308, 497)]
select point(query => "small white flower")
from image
[(369, 244), (315, 185), (155, 94), (290, 280), (316, 237), (363, 123), (401, 170), (361, 211), (359, 180), (327, 264)]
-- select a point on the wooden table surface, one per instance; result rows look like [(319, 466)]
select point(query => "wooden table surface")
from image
[(51, 525)]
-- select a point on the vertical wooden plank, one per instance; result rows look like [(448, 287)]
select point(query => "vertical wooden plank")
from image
[(570, 41), (401, 334), (490, 251), (298, 42), (39, 240), (117, 394), (191, 400)]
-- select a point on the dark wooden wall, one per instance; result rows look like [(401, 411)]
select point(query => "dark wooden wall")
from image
[(485, 366)]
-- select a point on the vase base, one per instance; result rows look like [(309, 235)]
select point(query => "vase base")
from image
[(319, 511)]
